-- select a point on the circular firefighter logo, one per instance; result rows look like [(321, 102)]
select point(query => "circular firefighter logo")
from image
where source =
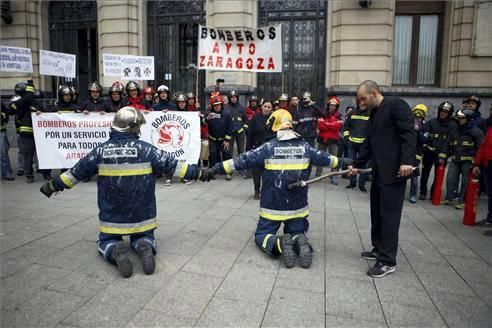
[(170, 134)]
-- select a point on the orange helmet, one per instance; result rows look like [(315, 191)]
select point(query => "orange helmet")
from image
[(149, 90)]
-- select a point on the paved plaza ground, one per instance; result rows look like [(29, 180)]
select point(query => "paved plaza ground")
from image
[(210, 272)]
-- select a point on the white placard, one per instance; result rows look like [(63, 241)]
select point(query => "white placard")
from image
[(129, 67), (15, 59), (63, 139), (237, 49), (57, 64)]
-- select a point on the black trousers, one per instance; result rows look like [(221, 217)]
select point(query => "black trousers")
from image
[(429, 160), (28, 149), (386, 208), (257, 172), (218, 152)]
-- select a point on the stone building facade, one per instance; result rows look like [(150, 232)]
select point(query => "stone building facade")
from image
[(420, 50)]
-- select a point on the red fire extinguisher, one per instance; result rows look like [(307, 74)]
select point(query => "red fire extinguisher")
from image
[(471, 200), (439, 178)]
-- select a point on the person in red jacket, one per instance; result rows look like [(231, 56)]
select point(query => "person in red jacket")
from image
[(329, 131), (483, 159), (134, 97)]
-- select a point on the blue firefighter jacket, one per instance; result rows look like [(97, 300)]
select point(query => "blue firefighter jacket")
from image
[(284, 162), (126, 181)]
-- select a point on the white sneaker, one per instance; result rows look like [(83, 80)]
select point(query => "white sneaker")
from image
[(168, 182)]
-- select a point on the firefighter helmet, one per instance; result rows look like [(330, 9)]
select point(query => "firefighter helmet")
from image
[(94, 86), (420, 110), (475, 99), (282, 120), (233, 93), (216, 99), (128, 119), (148, 90), (283, 97), (116, 87), (20, 88), (190, 95), (465, 113), (306, 96), (180, 97), (446, 106), (253, 98), (163, 88), (132, 85), (64, 90), (334, 100)]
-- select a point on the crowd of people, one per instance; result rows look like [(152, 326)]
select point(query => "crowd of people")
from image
[(453, 138)]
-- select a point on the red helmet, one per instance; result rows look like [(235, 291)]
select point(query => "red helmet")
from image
[(216, 99), (148, 90), (334, 100)]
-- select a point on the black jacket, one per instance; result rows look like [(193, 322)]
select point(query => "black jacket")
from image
[(238, 116), (23, 107), (391, 140), (305, 120), (437, 133), (463, 144), (257, 131), (6, 111), (92, 105), (115, 106), (219, 125), (64, 107), (356, 125)]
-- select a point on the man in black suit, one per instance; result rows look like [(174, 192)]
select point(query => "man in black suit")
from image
[(391, 145)]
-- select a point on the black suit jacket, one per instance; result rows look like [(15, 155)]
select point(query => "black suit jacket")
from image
[(391, 140)]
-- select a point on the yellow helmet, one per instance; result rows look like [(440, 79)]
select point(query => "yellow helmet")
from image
[(420, 110), (282, 120)]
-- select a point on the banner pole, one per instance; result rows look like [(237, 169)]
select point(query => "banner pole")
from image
[(57, 86), (196, 88)]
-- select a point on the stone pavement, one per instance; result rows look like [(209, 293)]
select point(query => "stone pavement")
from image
[(210, 273)]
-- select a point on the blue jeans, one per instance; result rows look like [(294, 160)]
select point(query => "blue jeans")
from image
[(353, 150), (107, 241), (6, 168), (266, 230)]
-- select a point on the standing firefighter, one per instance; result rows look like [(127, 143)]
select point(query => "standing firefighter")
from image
[(126, 169), (419, 114), (306, 118), (285, 159)]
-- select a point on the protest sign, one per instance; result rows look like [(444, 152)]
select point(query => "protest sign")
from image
[(237, 49), (63, 139), (129, 67), (14, 59), (56, 64)]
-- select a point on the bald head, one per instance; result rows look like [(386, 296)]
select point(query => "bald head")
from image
[(369, 95), (370, 86)]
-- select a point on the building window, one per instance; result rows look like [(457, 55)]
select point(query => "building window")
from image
[(417, 42), (415, 50)]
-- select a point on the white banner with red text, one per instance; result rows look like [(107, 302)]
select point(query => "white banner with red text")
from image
[(63, 139), (238, 49)]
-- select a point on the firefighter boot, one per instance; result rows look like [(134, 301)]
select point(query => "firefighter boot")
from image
[(287, 251), (120, 256), (146, 255), (303, 249)]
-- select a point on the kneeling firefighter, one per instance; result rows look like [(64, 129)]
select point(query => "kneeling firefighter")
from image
[(126, 169), (285, 159)]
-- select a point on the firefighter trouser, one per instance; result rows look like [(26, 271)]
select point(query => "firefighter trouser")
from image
[(429, 160), (456, 169), (239, 140), (28, 149), (266, 230), (353, 151), (257, 172), (217, 152), (107, 241)]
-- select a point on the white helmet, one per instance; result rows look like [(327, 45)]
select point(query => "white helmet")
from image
[(162, 88), (128, 119)]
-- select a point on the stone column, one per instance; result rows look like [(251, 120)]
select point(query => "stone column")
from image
[(232, 14)]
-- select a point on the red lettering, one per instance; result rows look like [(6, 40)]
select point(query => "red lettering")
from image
[(271, 65), (249, 63), (210, 62), (240, 46), (219, 61), (202, 60), (239, 63), (260, 63), (216, 48), (252, 48), (229, 63), (228, 47)]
